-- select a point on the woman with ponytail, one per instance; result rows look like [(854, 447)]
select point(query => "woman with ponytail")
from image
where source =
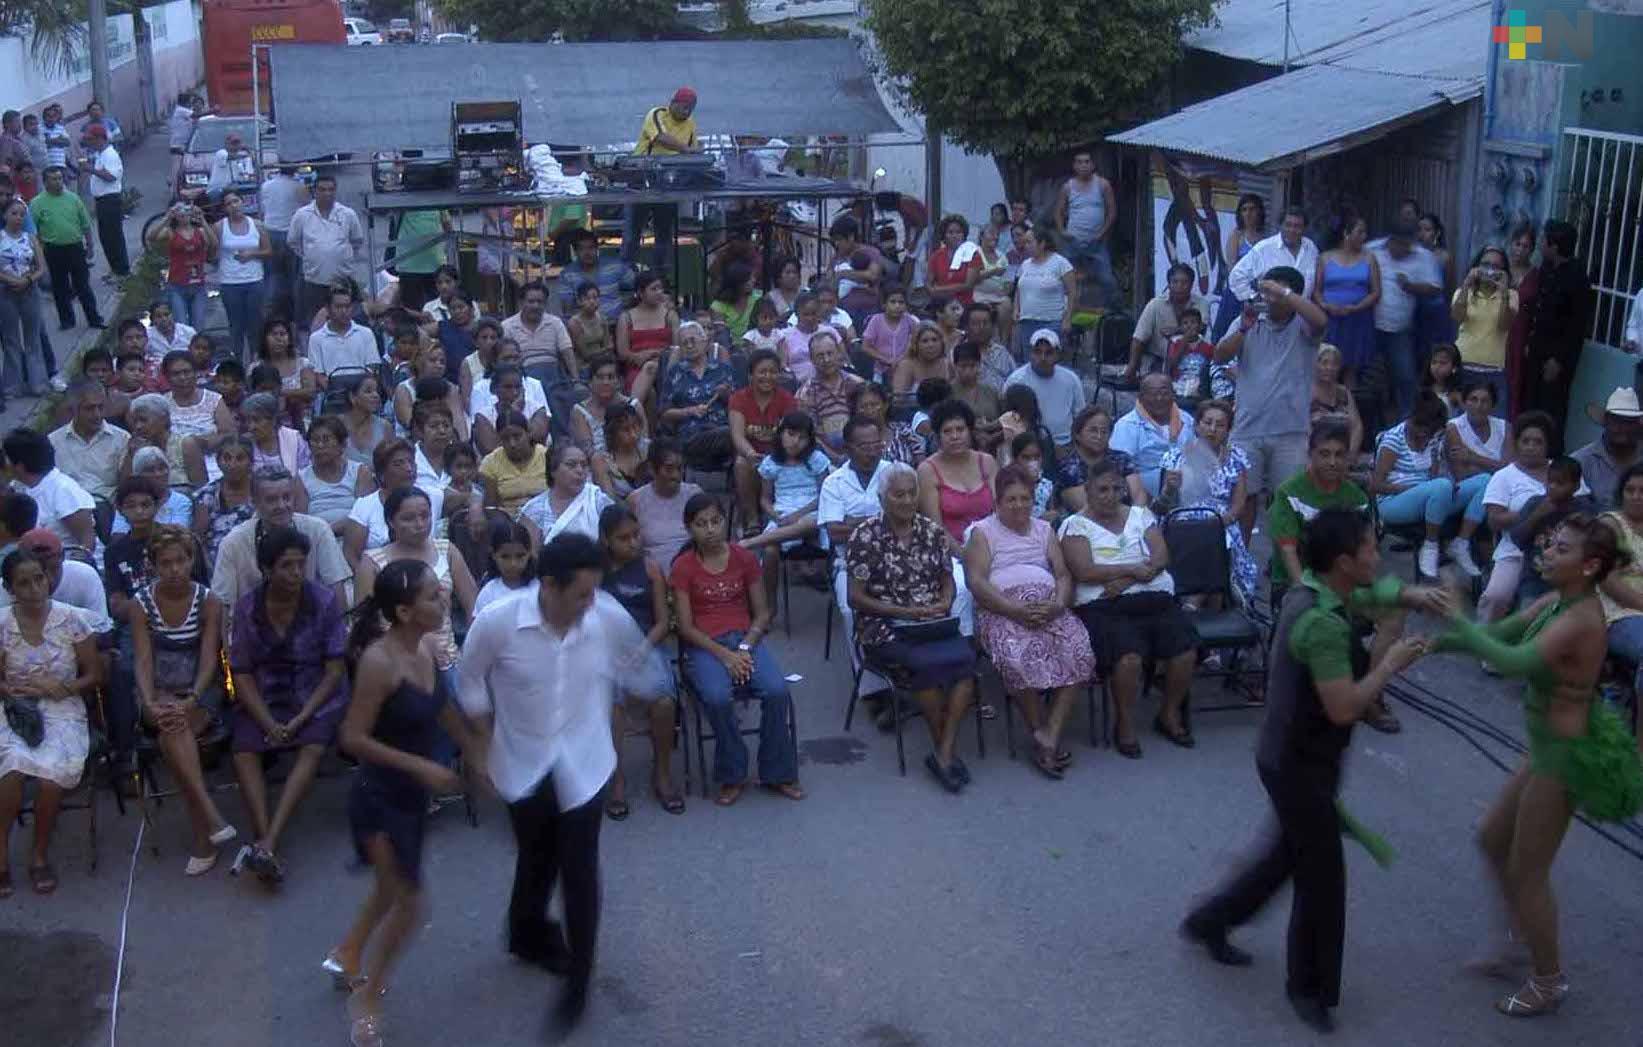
[(396, 720)]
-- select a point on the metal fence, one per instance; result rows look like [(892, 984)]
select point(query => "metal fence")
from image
[(1603, 198)]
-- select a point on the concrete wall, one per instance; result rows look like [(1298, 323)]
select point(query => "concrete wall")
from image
[(178, 64)]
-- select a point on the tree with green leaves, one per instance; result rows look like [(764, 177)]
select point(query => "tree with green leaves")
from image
[(54, 30), (1020, 79), (523, 21)]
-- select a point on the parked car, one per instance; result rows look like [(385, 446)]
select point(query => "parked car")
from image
[(400, 31), (211, 134), (361, 33), (452, 38)]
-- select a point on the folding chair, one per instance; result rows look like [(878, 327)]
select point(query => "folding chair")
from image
[(1099, 717), (804, 552), (900, 699), (99, 769), (740, 694), (1201, 566)]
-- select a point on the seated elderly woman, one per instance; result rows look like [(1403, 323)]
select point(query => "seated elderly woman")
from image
[(150, 421), (696, 397), (901, 588), (570, 503), (175, 508), (1126, 600), (176, 632), (723, 616), (1016, 573), (275, 444), (286, 654), (48, 659)]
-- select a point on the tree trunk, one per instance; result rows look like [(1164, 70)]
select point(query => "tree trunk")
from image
[(1015, 170)]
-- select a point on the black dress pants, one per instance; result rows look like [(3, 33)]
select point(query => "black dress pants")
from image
[(555, 846), (111, 233), (1307, 849), (70, 279)]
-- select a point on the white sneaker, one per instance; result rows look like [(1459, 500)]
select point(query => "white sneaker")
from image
[(1460, 551), (1428, 559), (59, 383), (200, 866)]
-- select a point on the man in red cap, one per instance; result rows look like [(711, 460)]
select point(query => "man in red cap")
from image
[(107, 189), (668, 131)]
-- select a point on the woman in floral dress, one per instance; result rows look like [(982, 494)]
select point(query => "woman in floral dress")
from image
[(1225, 492)]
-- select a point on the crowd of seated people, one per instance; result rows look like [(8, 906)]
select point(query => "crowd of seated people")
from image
[(967, 500)]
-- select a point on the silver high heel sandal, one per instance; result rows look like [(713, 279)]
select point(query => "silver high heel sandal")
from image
[(1539, 995), (341, 979), (364, 1028)]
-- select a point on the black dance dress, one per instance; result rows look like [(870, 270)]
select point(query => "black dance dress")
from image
[(386, 800)]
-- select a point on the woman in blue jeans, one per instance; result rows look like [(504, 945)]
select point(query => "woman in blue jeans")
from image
[(1408, 483), (242, 246), (1474, 446), (723, 619)]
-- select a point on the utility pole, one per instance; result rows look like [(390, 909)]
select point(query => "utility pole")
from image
[(97, 39)]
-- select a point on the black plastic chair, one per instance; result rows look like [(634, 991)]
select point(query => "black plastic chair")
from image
[(740, 695), (804, 552), (1201, 566), (903, 708)]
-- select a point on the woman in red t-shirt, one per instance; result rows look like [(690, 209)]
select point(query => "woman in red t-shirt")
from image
[(723, 616), (955, 266), (188, 243), (755, 411)]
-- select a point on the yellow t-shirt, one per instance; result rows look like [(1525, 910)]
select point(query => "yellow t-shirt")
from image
[(1481, 337), (660, 121), (516, 484)]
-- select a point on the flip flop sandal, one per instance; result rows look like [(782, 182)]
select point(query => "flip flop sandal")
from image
[(1044, 761), (790, 790), (671, 803), (728, 795), (616, 810), (43, 878)]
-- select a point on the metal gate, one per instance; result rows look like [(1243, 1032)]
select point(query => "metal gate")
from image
[(1602, 195)]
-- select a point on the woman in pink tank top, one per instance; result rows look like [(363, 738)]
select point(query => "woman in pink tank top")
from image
[(955, 483)]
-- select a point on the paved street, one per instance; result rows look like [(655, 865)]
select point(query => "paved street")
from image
[(880, 911)]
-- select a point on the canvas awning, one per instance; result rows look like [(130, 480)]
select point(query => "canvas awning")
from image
[(337, 99), (1300, 116)]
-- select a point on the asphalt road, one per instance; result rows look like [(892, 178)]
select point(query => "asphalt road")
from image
[(880, 911)]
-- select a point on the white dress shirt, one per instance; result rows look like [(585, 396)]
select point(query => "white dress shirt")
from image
[(843, 495), (550, 693), (1268, 253), (327, 244), (108, 158)]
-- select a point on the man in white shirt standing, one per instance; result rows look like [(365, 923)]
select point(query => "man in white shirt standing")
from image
[(340, 342), (1409, 272), (107, 195), (1291, 247), (326, 237), (538, 676), (281, 193)]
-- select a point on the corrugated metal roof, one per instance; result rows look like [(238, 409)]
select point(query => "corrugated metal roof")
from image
[(337, 99), (1424, 37), (1304, 113)]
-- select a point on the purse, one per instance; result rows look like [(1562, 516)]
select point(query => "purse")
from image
[(925, 632), (24, 719)]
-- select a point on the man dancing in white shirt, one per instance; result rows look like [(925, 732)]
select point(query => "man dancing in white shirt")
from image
[(538, 675)]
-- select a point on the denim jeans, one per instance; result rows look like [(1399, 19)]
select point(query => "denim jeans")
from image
[(778, 759), (243, 304), (1092, 258), (1402, 366), (20, 335), (1430, 502), (187, 304), (1469, 493)]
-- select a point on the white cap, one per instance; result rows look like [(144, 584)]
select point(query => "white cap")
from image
[(1044, 334)]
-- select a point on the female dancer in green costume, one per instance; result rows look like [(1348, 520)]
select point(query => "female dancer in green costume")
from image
[(1581, 757)]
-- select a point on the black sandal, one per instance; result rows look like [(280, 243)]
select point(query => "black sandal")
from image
[(616, 810), (1128, 750), (1044, 760), (1180, 736), (672, 803)]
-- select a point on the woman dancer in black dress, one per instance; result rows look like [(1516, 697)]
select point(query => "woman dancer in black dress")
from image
[(392, 727)]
